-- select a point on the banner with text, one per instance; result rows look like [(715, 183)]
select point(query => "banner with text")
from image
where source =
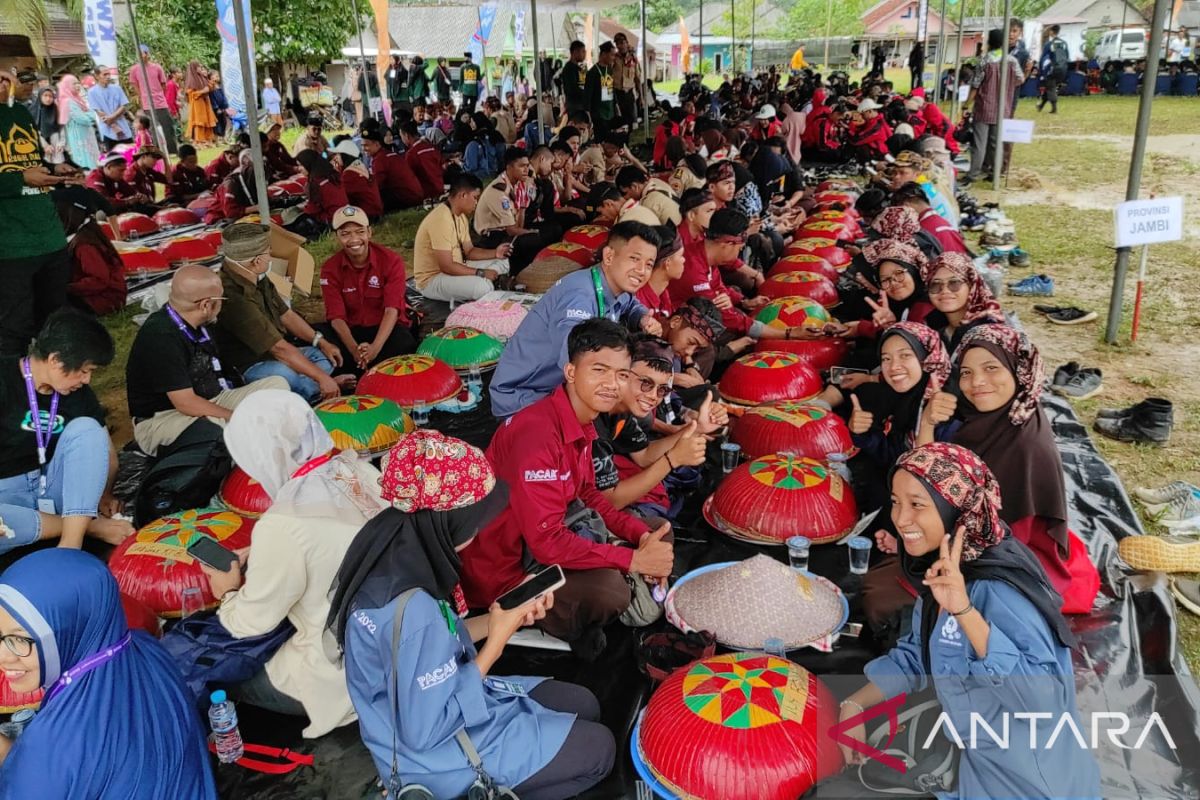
[(100, 32), (231, 63)]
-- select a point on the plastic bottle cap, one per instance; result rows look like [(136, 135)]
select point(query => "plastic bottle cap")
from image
[(218, 696)]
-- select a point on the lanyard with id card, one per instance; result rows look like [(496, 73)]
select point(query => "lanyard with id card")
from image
[(606, 87), (45, 504), (203, 338)]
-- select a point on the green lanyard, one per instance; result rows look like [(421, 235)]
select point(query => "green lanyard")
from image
[(450, 617), (599, 291)]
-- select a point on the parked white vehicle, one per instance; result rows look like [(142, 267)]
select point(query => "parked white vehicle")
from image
[(1121, 45)]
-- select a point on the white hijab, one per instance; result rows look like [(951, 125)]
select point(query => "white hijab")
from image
[(273, 434)]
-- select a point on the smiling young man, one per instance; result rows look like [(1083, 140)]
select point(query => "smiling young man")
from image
[(363, 288), (544, 455), (532, 362)]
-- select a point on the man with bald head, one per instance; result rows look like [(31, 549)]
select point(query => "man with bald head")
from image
[(175, 376)]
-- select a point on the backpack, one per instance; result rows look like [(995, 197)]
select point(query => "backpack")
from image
[(1060, 56), (186, 475), (928, 772), (208, 654)]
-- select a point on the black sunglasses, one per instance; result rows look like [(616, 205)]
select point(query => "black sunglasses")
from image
[(646, 385)]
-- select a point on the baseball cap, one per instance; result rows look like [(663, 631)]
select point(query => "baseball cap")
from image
[(869, 105), (767, 112), (112, 158), (348, 214), (347, 147)]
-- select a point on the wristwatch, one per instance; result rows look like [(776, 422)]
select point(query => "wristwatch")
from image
[(479, 273), (317, 338)]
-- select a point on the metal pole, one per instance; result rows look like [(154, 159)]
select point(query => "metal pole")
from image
[(137, 49), (962, 8), (643, 89), (362, 57), (1135, 163), (828, 28), (700, 66), (753, 27), (537, 77), (937, 73), (482, 53), (1001, 104), (248, 88), (733, 60)]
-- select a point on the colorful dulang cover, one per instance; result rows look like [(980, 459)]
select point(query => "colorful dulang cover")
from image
[(768, 376), (745, 603), (826, 230), (498, 318), (793, 312), (808, 285), (368, 425), (790, 426), (827, 249), (153, 566), (820, 354), (243, 495), (777, 496), (175, 218), (137, 258), (593, 237), (740, 726), (804, 262), (578, 254), (411, 381), (460, 347)]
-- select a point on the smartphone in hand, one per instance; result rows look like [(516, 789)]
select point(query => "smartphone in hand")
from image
[(208, 551), (546, 581)]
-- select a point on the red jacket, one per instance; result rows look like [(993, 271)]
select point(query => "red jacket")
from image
[(665, 131), (360, 295), (426, 164), (946, 234), (143, 180), (97, 276), (811, 138), (660, 305), (218, 169), (279, 162), (226, 205), (117, 191), (324, 199), (699, 279), (938, 124), (544, 454), (871, 135), (398, 186), (185, 182), (361, 191)]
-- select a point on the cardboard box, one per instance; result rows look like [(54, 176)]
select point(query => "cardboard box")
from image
[(292, 266)]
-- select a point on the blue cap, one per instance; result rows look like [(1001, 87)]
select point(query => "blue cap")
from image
[(218, 696), (144, 49)]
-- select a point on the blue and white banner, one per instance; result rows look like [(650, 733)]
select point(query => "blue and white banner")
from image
[(100, 32), (518, 34), (231, 62), (487, 18)]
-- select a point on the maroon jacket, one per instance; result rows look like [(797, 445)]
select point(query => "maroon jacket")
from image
[(426, 163), (361, 191), (398, 185), (117, 191)]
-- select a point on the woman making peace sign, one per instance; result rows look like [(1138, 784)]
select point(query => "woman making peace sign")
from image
[(987, 630)]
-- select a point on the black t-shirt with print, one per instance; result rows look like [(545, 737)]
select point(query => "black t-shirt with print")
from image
[(18, 444), (163, 359), (616, 434)]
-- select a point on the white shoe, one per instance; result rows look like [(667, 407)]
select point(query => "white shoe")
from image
[(1179, 510), (1165, 494)]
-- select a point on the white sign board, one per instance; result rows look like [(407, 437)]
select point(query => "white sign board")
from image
[(1149, 221), (964, 92), (1017, 131)]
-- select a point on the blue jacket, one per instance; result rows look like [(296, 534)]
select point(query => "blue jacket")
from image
[(1026, 671), (440, 691), (481, 160), (531, 365)]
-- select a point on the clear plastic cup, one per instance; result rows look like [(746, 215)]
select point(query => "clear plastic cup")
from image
[(775, 647), (860, 554), (192, 602), (474, 377), (420, 416), (838, 463), (730, 454), (798, 548)]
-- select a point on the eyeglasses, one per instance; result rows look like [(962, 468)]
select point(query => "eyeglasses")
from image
[(893, 279), (19, 646), (952, 285), (646, 385)]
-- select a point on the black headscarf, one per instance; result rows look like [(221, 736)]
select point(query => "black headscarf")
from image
[(897, 413), (397, 551), (45, 117)]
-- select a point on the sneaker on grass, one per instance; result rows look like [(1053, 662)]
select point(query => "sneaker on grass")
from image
[(1033, 286), (1083, 384), (1071, 316)]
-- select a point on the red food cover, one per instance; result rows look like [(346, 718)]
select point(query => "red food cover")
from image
[(188, 248), (801, 284), (139, 616), (142, 259), (13, 701), (825, 230), (134, 225), (825, 248), (805, 262), (593, 237), (740, 726), (789, 426), (411, 381), (243, 495), (568, 250), (780, 495), (175, 218), (820, 354), (768, 376)]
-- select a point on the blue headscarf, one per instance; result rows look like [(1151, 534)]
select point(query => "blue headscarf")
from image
[(123, 730)]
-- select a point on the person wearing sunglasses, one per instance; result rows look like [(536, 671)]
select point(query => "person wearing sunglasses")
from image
[(631, 466), (960, 298), (115, 720)]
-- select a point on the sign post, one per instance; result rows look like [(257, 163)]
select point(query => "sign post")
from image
[(1143, 223)]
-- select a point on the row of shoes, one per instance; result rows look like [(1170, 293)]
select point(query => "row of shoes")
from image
[(1075, 382), (1065, 315), (1177, 507)]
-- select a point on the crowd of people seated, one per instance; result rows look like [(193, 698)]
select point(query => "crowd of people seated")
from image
[(608, 412)]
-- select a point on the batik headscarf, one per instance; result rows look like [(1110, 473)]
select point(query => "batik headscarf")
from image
[(1013, 346), (981, 304), (897, 222), (898, 414), (907, 256), (967, 497)]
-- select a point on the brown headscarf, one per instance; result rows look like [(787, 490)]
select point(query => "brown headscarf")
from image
[(897, 222), (194, 80), (1016, 440)]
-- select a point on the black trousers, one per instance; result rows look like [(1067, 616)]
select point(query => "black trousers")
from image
[(1050, 86), (626, 108), (587, 754), (33, 289), (526, 246), (468, 104), (400, 342)]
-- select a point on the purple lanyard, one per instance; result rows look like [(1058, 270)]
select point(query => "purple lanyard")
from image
[(35, 420), (87, 665), (204, 338)]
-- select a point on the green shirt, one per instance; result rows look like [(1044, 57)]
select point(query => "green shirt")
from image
[(469, 82), (250, 322), (600, 92), (29, 225)]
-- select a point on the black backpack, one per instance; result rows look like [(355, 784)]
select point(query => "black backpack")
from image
[(185, 475), (1061, 57)]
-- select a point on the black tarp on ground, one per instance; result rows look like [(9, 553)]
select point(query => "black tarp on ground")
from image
[(1128, 659)]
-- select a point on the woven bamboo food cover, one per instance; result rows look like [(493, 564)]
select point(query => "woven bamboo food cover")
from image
[(827, 249), (411, 381), (154, 567), (801, 284), (748, 602), (368, 425), (808, 430), (793, 312), (460, 347), (768, 376), (820, 354), (781, 495), (740, 726), (805, 262), (498, 318), (243, 495), (547, 270)]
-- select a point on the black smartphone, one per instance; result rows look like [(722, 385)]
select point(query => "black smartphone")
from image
[(207, 550), (837, 373), (547, 580)]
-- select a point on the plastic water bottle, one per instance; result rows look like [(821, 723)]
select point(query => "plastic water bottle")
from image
[(17, 724), (222, 718)]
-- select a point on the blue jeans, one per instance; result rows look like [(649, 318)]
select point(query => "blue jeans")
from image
[(75, 479), (302, 385)]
